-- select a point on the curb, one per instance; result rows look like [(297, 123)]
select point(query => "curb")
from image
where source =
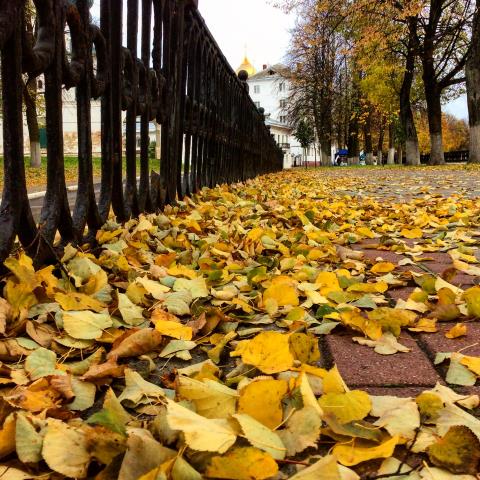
[(37, 195), (72, 188)]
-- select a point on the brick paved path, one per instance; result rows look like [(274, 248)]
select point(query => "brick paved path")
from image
[(402, 374), (406, 374)]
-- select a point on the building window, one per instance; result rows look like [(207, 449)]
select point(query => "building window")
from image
[(283, 119), (256, 89), (257, 104), (283, 103), (281, 87)]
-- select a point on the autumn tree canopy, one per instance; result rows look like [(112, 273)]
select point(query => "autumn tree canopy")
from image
[(361, 68)]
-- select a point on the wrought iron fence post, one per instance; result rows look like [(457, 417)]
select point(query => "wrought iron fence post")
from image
[(211, 131)]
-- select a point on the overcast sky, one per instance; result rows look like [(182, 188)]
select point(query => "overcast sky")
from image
[(263, 30)]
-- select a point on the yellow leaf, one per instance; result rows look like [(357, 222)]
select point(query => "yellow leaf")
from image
[(7, 437), (459, 330), (262, 400), (326, 468), (174, 329), (365, 232), (428, 325), (472, 363), (466, 268), (78, 301), (392, 319), (355, 320), (383, 267), (182, 271), (411, 233), (245, 463), (333, 382), (472, 298), (201, 434), (304, 348), (283, 293), (211, 398), (429, 405), (260, 436), (458, 451), (23, 269), (347, 407), (378, 287), (268, 351), (329, 280), (350, 455)]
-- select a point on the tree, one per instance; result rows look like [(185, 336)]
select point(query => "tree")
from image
[(443, 43), (312, 57), (472, 74), (305, 135)]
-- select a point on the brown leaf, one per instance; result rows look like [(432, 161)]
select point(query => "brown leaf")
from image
[(6, 313), (138, 343), (103, 372), (197, 323), (63, 385)]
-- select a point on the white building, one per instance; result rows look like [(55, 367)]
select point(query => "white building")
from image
[(269, 89)]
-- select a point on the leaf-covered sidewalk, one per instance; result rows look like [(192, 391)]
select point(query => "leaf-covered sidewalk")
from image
[(306, 325)]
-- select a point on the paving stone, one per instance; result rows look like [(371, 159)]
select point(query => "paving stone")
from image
[(386, 255), (434, 343), (435, 267), (402, 392), (360, 365), (465, 281), (403, 293), (437, 257)]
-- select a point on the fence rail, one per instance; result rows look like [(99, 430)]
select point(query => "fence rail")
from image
[(211, 131), (459, 156)]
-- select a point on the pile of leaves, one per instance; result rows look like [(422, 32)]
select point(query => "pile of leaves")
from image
[(185, 344)]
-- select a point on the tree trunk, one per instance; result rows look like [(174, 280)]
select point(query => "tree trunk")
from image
[(29, 96), (434, 111), (353, 144), (434, 106), (400, 154), (406, 114), (391, 145), (381, 136), (472, 73), (367, 136)]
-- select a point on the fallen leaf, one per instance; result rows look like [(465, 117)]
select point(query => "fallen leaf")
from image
[(65, 449), (348, 406), (201, 434), (261, 437), (137, 343), (86, 325), (387, 344), (268, 351), (261, 399), (458, 451), (350, 455), (301, 431), (246, 463), (459, 330), (211, 399)]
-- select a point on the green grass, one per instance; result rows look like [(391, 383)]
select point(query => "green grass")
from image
[(37, 177)]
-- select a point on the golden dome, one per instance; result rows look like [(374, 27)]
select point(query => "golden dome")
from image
[(247, 66)]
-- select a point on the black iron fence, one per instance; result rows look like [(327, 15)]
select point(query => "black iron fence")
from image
[(211, 131), (459, 156)]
